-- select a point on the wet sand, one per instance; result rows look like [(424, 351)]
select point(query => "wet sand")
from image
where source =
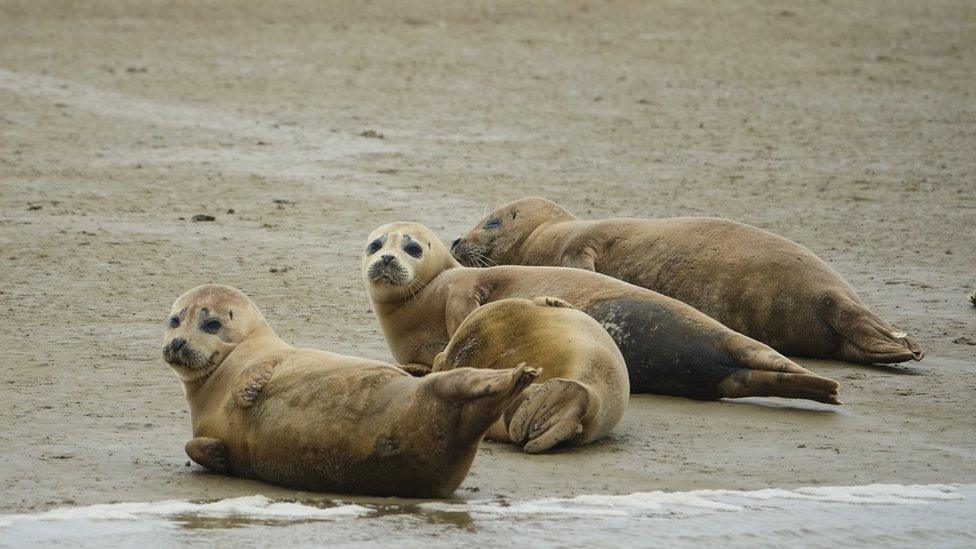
[(300, 128)]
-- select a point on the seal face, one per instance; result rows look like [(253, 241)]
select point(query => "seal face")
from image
[(496, 239), (201, 329), (400, 260), (316, 420), (756, 283)]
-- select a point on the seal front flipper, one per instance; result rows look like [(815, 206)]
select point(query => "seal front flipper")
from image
[(546, 301), (460, 303), (439, 363), (580, 259), (209, 452), (252, 379), (414, 369)]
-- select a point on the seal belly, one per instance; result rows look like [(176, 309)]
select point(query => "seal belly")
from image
[(664, 353)]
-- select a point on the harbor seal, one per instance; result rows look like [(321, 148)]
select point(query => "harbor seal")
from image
[(756, 283), (583, 389), (421, 294), (315, 420)]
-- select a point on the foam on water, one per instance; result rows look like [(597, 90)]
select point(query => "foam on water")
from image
[(248, 507), (890, 515), (703, 501)]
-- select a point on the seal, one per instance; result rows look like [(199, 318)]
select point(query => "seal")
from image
[(583, 389), (315, 420), (421, 294), (757, 283)]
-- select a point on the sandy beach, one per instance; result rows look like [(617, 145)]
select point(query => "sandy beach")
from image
[(299, 127)]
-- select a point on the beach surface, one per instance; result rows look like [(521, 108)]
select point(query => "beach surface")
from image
[(301, 126)]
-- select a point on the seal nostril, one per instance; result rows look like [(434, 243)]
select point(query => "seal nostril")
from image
[(177, 344), (387, 258), (455, 243)]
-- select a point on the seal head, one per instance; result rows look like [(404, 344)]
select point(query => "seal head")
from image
[(499, 235), (400, 259), (204, 326)]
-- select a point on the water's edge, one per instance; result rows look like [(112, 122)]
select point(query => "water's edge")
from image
[(938, 514)]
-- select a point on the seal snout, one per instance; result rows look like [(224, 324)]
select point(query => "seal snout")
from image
[(176, 352), (461, 252), (470, 255), (388, 269)]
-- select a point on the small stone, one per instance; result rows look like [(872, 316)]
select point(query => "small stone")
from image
[(203, 217)]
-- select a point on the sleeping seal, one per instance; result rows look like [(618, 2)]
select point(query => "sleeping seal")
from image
[(759, 284)]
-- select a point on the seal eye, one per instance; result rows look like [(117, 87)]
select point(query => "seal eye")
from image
[(211, 326), (174, 321), (493, 223), (414, 250), (373, 246)]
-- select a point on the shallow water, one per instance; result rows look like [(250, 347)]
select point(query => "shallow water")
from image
[(890, 515)]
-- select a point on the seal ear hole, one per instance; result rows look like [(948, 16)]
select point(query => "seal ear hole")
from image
[(231, 314), (514, 214)]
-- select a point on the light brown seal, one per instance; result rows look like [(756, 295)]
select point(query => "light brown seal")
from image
[(322, 421), (759, 284), (583, 389), (421, 294)]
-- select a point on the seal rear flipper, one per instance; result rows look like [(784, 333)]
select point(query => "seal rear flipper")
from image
[(867, 338), (209, 452), (483, 394), (747, 383), (552, 413), (754, 355), (469, 384)]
